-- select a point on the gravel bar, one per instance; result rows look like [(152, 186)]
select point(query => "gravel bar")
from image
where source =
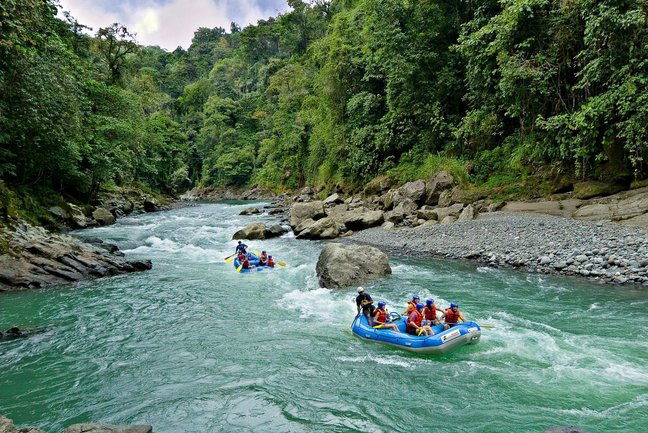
[(602, 251)]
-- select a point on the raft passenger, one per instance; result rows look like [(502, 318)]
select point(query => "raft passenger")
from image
[(411, 305), (263, 258), (415, 322), (380, 318), (452, 316), (430, 313)]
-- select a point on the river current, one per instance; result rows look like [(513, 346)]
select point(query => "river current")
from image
[(192, 346)]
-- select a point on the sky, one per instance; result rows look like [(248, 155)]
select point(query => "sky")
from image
[(171, 23)]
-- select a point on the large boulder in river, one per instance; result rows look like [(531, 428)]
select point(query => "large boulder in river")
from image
[(303, 211), (251, 231), (103, 216), (259, 231), (341, 265)]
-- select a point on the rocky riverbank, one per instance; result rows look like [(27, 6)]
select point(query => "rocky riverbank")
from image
[(7, 426), (578, 232), (603, 251), (37, 258)]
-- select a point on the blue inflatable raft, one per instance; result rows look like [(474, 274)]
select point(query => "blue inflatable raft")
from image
[(441, 342), (254, 261)]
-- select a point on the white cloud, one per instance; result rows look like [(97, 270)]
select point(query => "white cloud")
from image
[(167, 25), (178, 20)]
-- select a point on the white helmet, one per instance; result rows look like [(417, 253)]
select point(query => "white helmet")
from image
[(360, 289)]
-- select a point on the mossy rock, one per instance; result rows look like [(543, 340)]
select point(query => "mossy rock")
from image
[(589, 189), (470, 195), (379, 185)]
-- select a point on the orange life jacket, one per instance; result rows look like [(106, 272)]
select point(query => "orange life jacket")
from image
[(452, 316)]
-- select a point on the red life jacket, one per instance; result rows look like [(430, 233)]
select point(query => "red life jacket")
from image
[(271, 263), (381, 316), (430, 314), (246, 263), (451, 316)]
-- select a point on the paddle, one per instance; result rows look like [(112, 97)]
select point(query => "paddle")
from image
[(229, 260), (229, 257), (239, 268), (281, 263), (481, 326)]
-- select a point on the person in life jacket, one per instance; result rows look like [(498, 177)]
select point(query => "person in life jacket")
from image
[(365, 304), (241, 248), (243, 260), (452, 316), (430, 313), (411, 305), (380, 318), (415, 322), (263, 258), (271, 262)]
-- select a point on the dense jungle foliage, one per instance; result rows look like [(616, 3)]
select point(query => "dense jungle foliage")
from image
[(332, 93)]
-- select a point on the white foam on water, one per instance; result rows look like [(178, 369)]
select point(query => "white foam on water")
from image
[(199, 254), (405, 269), (319, 304), (487, 270), (639, 402), (382, 360), (628, 373)]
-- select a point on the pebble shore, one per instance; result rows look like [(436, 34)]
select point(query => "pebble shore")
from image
[(602, 251)]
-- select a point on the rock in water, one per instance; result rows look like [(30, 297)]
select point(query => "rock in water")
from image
[(36, 258), (341, 265)]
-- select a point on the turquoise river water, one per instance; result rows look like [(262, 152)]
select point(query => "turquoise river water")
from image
[(194, 347)]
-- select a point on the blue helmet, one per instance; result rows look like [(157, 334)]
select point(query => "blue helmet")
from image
[(269, 257), (381, 304), (419, 306), (415, 297), (429, 302), (454, 304)]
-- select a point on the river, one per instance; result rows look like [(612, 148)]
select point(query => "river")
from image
[(192, 346)]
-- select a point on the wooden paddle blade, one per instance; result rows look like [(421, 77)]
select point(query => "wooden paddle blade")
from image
[(239, 268)]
